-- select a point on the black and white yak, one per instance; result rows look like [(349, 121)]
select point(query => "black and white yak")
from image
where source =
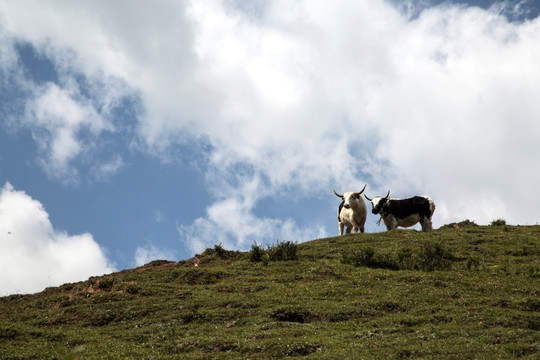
[(404, 213)]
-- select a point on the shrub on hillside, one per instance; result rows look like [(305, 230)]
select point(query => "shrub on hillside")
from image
[(459, 225), (431, 256), (281, 251), (218, 252), (434, 257), (498, 222), (257, 253), (406, 258), (369, 258)]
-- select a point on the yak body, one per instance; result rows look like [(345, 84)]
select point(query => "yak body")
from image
[(405, 212), (351, 212)]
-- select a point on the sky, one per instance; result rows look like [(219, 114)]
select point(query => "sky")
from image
[(132, 130)]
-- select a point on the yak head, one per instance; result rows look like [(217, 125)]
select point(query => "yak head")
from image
[(378, 202), (350, 198)]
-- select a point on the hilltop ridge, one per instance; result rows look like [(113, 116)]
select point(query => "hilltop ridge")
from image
[(462, 291)]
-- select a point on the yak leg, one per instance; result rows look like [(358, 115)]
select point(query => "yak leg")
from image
[(426, 225), (391, 224)]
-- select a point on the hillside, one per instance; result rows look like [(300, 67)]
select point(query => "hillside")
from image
[(462, 291)]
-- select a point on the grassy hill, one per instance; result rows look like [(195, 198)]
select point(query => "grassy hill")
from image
[(462, 291)]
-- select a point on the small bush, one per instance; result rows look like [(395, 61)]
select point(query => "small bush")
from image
[(368, 258), (220, 250), (105, 283), (257, 253), (459, 225), (498, 222), (292, 315), (431, 256), (434, 257), (406, 258), (364, 257), (282, 251), (156, 263), (130, 288)]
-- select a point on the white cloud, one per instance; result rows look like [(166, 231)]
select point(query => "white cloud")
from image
[(443, 104), (34, 255), (316, 94), (58, 121), (231, 223), (158, 216), (8, 57), (144, 255), (459, 119), (105, 171)]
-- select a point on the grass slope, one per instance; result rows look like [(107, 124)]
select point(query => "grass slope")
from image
[(368, 296)]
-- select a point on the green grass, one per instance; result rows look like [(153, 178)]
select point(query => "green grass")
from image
[(463, 291)]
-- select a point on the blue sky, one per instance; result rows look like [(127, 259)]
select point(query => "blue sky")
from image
[(132, 131)]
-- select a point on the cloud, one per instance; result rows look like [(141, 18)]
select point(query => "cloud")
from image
[(104, 171), (159, 217), (231, 222), (459, 117), (292, 99), (144, 255), (59, 122), (34, 255), (319, 95)]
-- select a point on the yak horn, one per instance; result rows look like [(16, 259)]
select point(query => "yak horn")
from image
[(367, 197), (387, 195), (338, 195), (362, 190)]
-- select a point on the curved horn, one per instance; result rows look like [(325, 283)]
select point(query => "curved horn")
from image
[(367, 197), (387, 195), (361, 191), (338, 195)]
